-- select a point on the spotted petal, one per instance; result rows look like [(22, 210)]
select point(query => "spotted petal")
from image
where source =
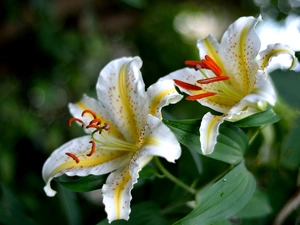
[(236, 53), (275, 50), (88, 103), (258, 100), (209, 131), (121, 90), (101, 162), (117, 190), (161, 94)]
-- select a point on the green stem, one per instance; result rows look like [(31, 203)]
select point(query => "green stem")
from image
[(255, 134), (173, 178)]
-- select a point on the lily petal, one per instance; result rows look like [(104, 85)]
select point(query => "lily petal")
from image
[(258, 100), (121, 90), (116, 193), (209, 131), (94, 105), (101, 162), (117, 189), (158, 136), (191, 76), (275, 50), (161, 94), (236, 53)]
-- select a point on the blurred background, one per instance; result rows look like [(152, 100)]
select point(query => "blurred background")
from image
[(51, 53)]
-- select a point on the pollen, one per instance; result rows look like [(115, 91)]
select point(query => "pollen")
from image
[(187, 86), (92, 149), (75, 119), (73, 157), (90, 112), (199, 96), (206, 63), (212, 79)]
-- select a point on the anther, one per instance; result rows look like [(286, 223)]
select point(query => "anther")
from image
[(197, 97), (187, 86), (73, 156), (106, 126), (92, 149), (206, 63), (96, 120), (212, 79), (92, 126), (90, 112), (75, 119)]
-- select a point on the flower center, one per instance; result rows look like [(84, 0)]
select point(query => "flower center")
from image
[(106, 141), (206, 63)]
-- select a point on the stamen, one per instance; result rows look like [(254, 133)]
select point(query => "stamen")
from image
[(187, 86), (75, 119), (97, 121), (212, 79), (73, 156), (90, 112), (195, 64), (197, 97), (92, 126), (206, 63), (210, 64), (93, 148)]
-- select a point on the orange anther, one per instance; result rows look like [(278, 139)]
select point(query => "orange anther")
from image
[(93, 148), (203, 95), (212, 79), (206, 63), (75, 119), (97, 121), (90, 112), (210, 64), (73, 156), (192, 63), (187, 86), (92, 126)]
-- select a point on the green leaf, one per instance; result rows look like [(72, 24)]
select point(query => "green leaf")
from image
[(71, 206), (145, 213), (223, 199), (258, 206), (290, 154), (263, 118), (147, 172), (11, 211), (83, 184), (231, 142)]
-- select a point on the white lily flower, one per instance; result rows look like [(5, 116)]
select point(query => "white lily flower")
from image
[(231, 78), (124, 131)]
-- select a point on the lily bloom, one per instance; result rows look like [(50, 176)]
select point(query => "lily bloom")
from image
[(231, 77), (124, 131)]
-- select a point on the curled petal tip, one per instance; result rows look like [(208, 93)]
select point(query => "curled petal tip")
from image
[(49, 191)]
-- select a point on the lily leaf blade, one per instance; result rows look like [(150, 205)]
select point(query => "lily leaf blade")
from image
[(223, 199), (231, 142), (259, 119)]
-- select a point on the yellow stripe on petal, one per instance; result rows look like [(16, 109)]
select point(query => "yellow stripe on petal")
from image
[(97, 158), (275, 50), (150, 141), (119, 189), (209, 131), (213, 53), (128, 112), (154, 105)]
